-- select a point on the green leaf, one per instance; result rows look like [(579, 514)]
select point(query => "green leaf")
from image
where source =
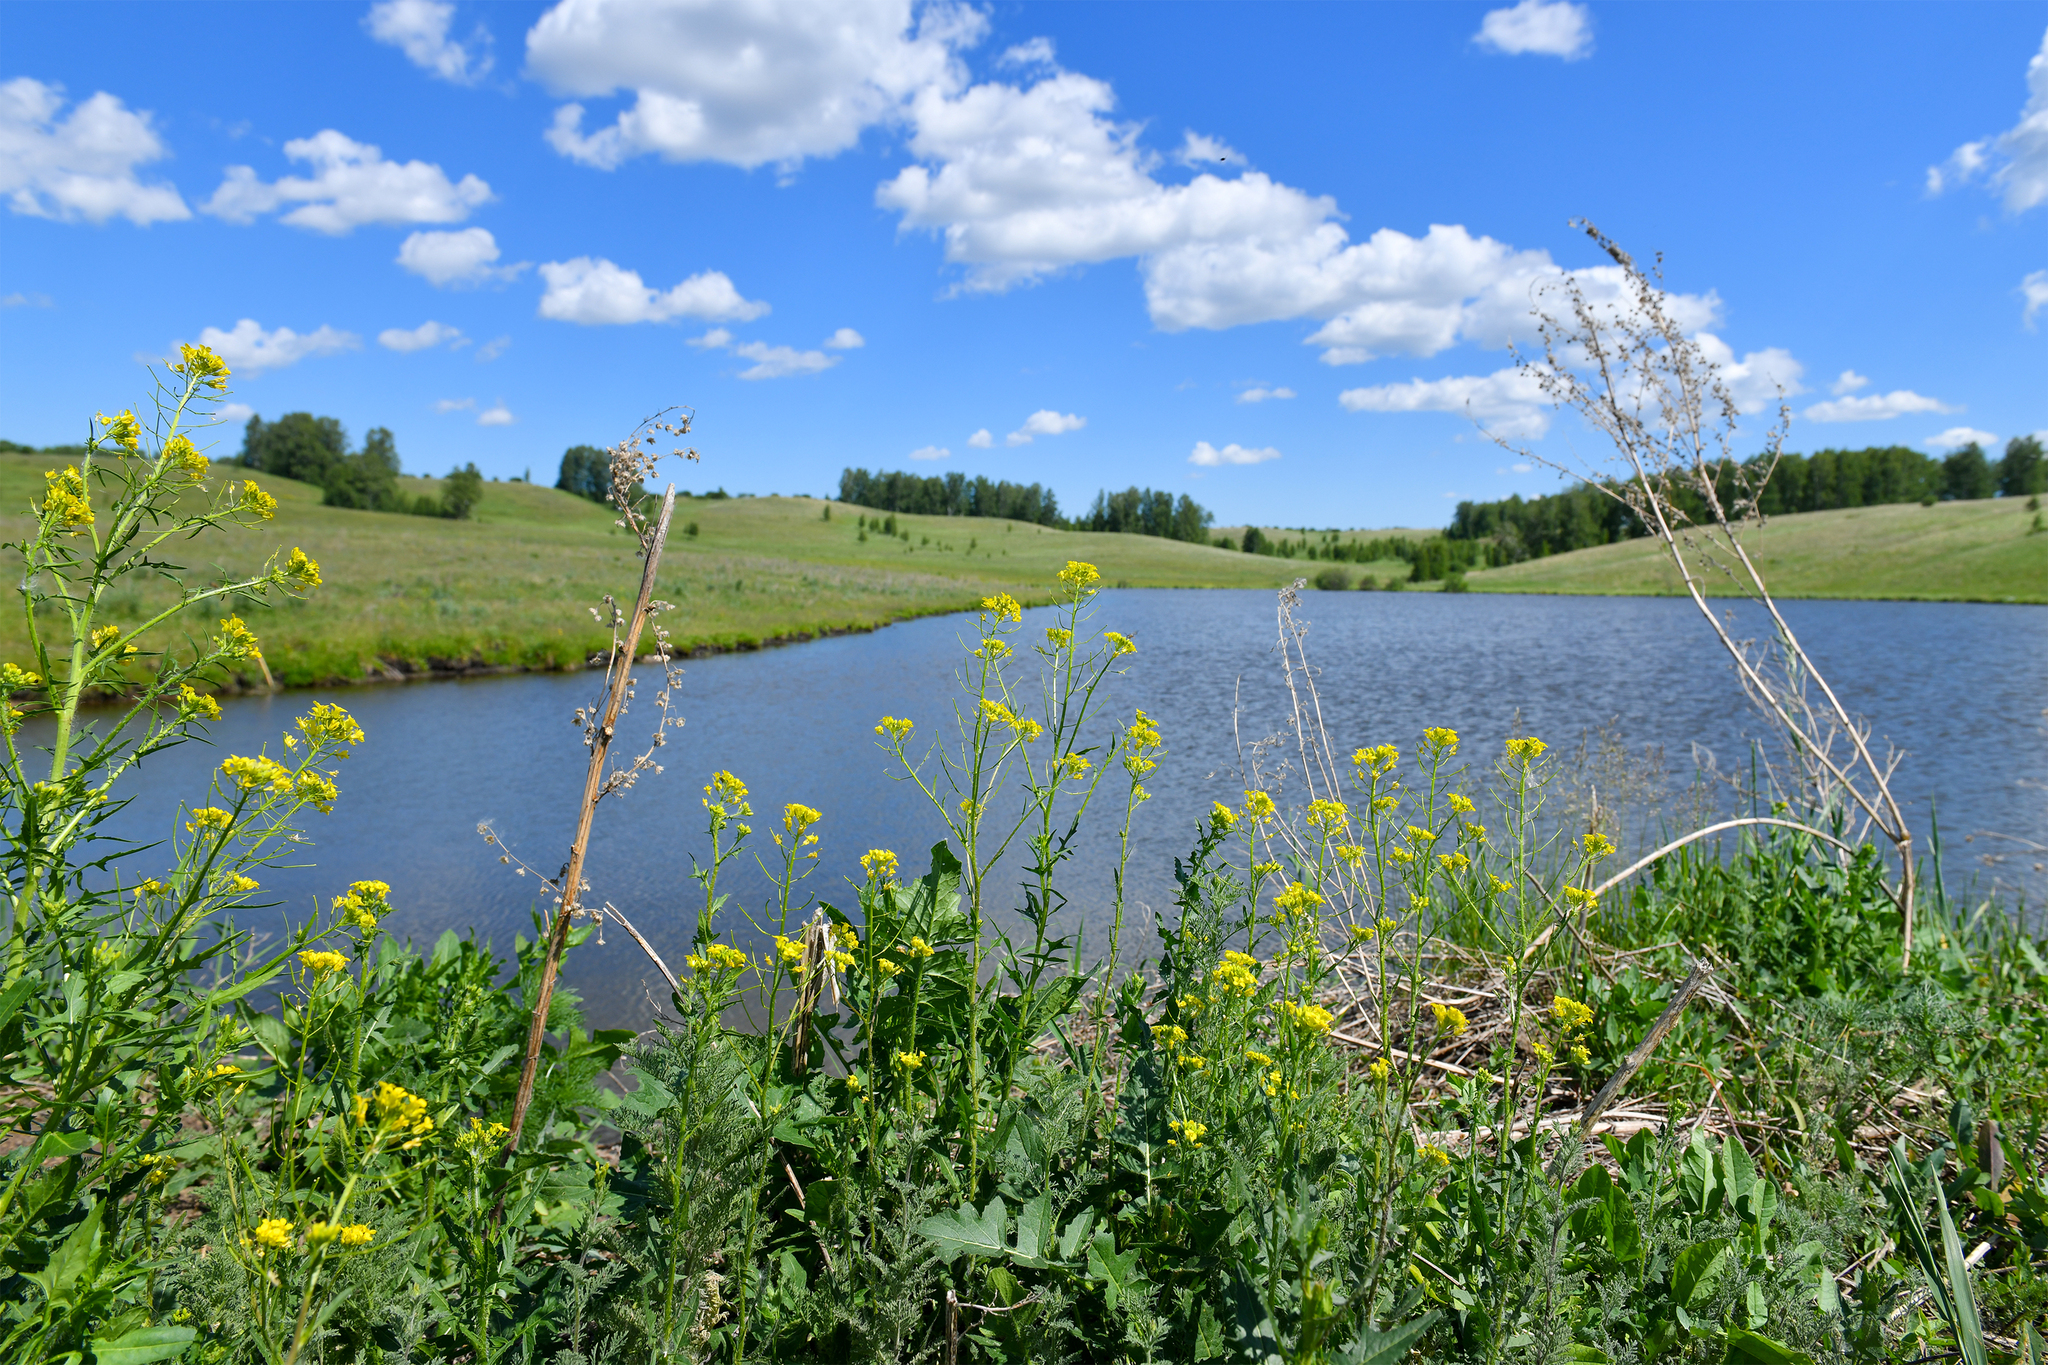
[(143, 1345), (1755, 1346), (1076, 1233), (1117, 1272), (15, 994), (1384, 1348), (1208, 1334), (60, 1278), (1969, 1327), (270, 1032), (1034, 1226), (1696, 1269), (964, 1232)]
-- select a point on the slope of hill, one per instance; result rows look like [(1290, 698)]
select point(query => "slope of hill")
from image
[(512, 587), (1980, 551)]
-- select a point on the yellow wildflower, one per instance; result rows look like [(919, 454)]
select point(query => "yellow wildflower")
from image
[(357, 1234), (1579, 895), (64, 500), (1453, 862), (1449, 1019), (103, 637), (221, 1069), (879, 864), (322, 963), (1387, 924), (1074, 767), (1352, 854), (1187, 1131), (1401, 855), (255, 500), (789, 950), (1461, 803), (1264, 869), (1169, 1036), (201, 364), (299, 571), (320, 1234), (892, 728), (13, 678), (1362, 933), (479, 1138), (1237, 979), (1500, 888), (1380, 1070), (240, 884), (797, 818), (1418, 835), (1544, 1056), (1597, 846), (364, 904), (1377, 759), (994, 713), (1258, 805), (197, 703), (1328, 816), (251, 773), (1143, 732), (1433, 1153), (1254, 1055), (1297, 899), (1059, 638), (235, 640), (1119, 645), (728, 790), (1310, 1018), (887, 967), (274, 1233), (1223, 817), (1003, 607), (1441, 739), (1474, 832), (150, 886), (184, 457), (1581, 1056), (124, 429), (1571, 1015), (1526, 750), (317, 791), (1079, 578), (992, 650), (1385, 803), (399, 1108), (909, 1061), (209, 817)]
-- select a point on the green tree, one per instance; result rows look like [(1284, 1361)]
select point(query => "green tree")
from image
[(586, 472), (368, 479), (297, 445), (1966, 474), (461, 492), (1254, 541), (2023, 470)]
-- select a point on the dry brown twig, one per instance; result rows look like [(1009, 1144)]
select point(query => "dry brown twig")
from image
[(632, 461), (1630, 372)]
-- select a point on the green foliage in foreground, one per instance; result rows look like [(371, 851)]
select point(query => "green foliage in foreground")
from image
[(905, 1130)]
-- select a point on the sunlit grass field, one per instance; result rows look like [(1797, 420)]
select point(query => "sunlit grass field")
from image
[(513, 587), (1982, 551)]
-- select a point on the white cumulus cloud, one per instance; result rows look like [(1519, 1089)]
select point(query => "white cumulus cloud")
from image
[(931, 453), (740, 81), (1757, 381), (1878, 407), (779, 362), (2034, 289), (1260, 393), (717, 339), (247, 347), (492, 349), (1199, 152), (419, 28), (1210, 457), (845, 339), (496, 416), (454, 404), (1955, 438), (2016, 160), (82, 165), (423, 337), (1848, 382), (351, 184), (596, 292), (1044, 422), (232, 414), (465, 257), (1506, 403), (981, 440), (1549, 28)]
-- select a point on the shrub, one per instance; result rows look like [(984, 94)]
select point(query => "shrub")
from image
[(1333, 580)]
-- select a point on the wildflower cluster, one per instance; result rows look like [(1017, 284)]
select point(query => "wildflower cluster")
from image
[(363, 905)]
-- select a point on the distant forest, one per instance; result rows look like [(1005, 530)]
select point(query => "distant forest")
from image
[(1137, 511), (1515, 529)]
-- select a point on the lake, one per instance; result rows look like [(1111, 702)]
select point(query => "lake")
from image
[(1958, 687)]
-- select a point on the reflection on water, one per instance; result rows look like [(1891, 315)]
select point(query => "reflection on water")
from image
[(1948, 683)]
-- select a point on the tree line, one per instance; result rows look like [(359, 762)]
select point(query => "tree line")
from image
[(315, 450), (950, 495), (1515, 528)]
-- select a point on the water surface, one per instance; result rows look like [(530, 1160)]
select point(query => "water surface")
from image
[(1957, 686)]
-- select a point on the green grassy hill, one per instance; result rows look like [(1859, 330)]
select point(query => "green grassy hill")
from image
[(512, 587), (1982, 551)]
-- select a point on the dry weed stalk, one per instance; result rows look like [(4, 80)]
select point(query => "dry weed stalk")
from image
[(1632, 374), (631, 461)]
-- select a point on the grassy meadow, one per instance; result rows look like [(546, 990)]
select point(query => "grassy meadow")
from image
[(1982, 551), (511, 587)]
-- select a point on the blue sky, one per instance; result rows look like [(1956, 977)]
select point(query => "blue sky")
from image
[(1270, 255)]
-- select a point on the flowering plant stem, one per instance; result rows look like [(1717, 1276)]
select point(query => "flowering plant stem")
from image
[(619, 676)]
